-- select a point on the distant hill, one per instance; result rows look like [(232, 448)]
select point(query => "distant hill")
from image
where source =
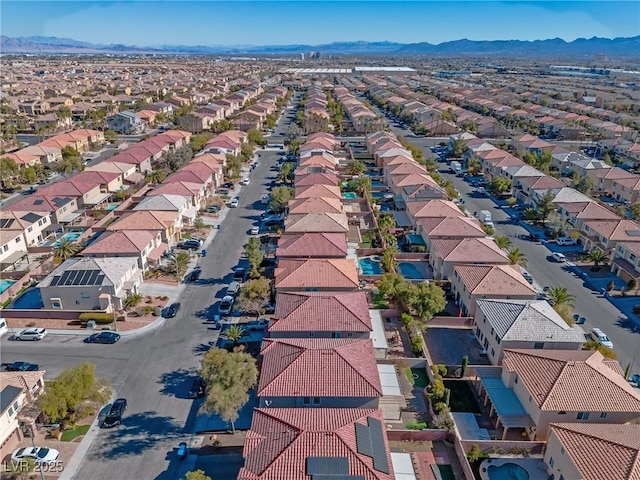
[(556, 47)]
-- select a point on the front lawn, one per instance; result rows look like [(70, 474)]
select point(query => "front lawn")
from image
[(70, 435), (366, 239), (461, 399)]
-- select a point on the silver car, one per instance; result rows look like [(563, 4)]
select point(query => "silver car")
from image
[(31, 334)]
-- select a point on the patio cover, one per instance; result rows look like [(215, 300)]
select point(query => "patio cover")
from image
[(403, 466), (468, 428), (510, 411), (402, 219), (191, 212), (13, 258), (72, 216), (98, 199), (389, 380)]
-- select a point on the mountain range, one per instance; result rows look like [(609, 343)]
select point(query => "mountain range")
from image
[(623, 47)]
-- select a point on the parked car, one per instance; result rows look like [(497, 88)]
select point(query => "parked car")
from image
[(255, 230), (233, 203), (635, 379), (233, 288), (212, 209), (197, 388), (20, 367), (527, 276), (239, 275), (578, 320), (566, 241), (189, 245), (30, 334), (227, 185), (104, 337), (265, 199), (172, 311), (558, 257), (599, 336), (39, 455), (182, 450), (195, 275), (245, 181), (226, 305), (114, 417)]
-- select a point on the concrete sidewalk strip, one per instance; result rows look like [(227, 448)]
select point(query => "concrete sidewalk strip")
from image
[(78, 456)]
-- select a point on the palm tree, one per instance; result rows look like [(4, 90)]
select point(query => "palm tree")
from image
[(234, 333), (356, 168), (559, 296), (516, 257), (132, 300), (596, 256), (502, 241), (65, 249), (178, 264), (389, 259), (545, 205)]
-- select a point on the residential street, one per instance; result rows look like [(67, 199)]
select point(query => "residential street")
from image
[(153, 371)]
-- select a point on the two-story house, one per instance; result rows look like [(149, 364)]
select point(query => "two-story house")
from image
[(127, 122), (316, 275)]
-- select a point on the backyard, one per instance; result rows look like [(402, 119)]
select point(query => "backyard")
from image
[(461, 398)]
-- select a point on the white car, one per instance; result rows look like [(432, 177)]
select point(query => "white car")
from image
[(566, 241), (558, 257), (527, 276), (245, 181), (255, 230), (30, 334), (601, 338), (37, 454), (233, 203)]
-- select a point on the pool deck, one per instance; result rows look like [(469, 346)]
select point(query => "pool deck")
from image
[(535, 467)]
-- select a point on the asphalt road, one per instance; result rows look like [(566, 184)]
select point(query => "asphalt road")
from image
[(599, 312), (153, 371)]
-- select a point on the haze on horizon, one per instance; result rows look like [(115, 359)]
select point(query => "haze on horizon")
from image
[(152, 23)]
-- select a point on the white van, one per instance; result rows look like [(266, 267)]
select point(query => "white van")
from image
[(233, 288), (3, 326)]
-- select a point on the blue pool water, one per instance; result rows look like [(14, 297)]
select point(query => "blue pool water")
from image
[(378, 183), (507, 471), (378, 194), (349, 195), (68, 236), (409, 271), (112, 206), (4, 284), (30, 299), (370, 266)]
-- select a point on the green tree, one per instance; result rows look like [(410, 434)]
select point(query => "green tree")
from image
[(428, 300), (474, 454), (199, 224), (530, 215), (8, 170), (390, 284), (234, 166), (178, 264), (499, 185), (286, 172), (254, 256), (74, 393), (458, 147), (234, 334), (254, 295), (110, 136), (132, 300), (597, 257), (544, 206), (255, 137), (388, 260), (197, 475), (64, 112), (502, 241), (474, 166), (199, 140), (560, 296), (634, 210), (584, 184), (280, 197), (605, 351), (228, 376), (516, 257), (65, 249), (28, 175), (21, 470), (356, 167)]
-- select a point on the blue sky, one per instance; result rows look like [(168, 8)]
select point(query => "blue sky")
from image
[(147, 23)]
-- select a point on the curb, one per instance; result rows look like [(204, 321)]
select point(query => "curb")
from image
[(158, 322)]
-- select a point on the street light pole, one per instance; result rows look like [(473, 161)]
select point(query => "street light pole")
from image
[(33, 444)]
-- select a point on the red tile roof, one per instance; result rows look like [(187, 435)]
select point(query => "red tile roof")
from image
[(317, 179), (494, 280), (315, 205), (125, 241), (281, 439), (572, 380), (600, 450), (342, 367), (317, 273), (451, 227), (326, 312), (312, 244)]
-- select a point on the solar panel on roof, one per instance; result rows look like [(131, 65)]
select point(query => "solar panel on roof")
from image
[(380, 461), (94, 276), (363, 440), (78, 278), (6, 222), (338, 477), (64, 277), (54, 281), (99, 280), (327, 465)]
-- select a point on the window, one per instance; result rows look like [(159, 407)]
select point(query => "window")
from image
[(538, 345), (603, 415), (316, 400), (10, 411), (84, 295), (18, 239), (583, 416), (350, 334), (306, 401), (498, 339), (530, 399), (15, 406), (56, 303), (77, 302), (515, 380), (562, 451), (312, 334), (562, 412), (30, 229), (336, 335), (493, 352), (5, 248), (551, 462)]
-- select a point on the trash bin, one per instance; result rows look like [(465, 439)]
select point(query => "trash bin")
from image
[(157, 311), (91, 325)]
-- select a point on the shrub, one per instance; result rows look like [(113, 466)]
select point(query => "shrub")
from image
[(439, 370), (407, 320), (474, 453), (416, 345), (148, 310), (98, 317), (415, 425)]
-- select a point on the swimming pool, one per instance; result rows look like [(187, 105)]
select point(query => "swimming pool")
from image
[(410, 271), (350, 195), (377, 183), (5, 284), (370, 265), (507, 471), (71, 236)]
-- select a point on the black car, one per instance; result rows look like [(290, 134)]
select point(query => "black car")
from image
[(21, 367), (195, 275), (104, 337), (190, 245), (114, 417), (172, 311), (239, 275), (197, 388), (227, 185)]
